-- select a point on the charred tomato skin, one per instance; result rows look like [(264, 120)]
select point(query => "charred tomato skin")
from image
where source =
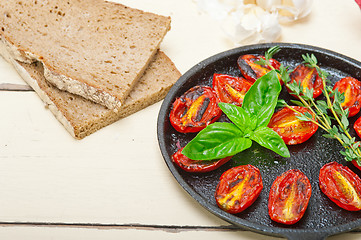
[(289, 197), (251, 70), (308, 78), (355, 164), (230, 89), (290, 128), (357, 127), (195, 110), (238, 188), (341, 185), (351, 87), (190, 165)]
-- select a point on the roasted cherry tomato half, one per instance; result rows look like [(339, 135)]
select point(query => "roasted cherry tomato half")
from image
[(351, 87), (341, 185), (230, 89), (251, 70), (289, 197), (190, 165), (290, 128), (195, 109), (357, 126), (308, 78), (238, 188), (356, 164)]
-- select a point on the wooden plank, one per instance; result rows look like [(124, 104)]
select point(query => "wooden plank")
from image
[(15, 87), (116, 175), (8, 73), (105, 178), (109, 233), (64, 233)]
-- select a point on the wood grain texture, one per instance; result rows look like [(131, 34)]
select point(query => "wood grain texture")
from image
[(15, 87)]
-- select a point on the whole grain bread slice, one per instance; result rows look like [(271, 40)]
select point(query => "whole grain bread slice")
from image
[(82, 117), (93, 48)]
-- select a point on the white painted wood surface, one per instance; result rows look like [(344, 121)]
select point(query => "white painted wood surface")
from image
[(114, 184)]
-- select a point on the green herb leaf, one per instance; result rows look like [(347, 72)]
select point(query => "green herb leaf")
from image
[(261, 62), (294, 88), (284, 72), (261, 99), (216, 141), (281, 103), (310, 60), (356, 145), (328, 120), (344, 121), (303, 117), (238, 116), (328, 136), (271, 51), (269, 139), (298, 103), (308, 94), (322, 106)]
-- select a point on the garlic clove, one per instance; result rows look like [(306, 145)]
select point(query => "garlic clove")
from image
[(288, 10), (268, 5), (218, 9), (251, 24), (242, 21)]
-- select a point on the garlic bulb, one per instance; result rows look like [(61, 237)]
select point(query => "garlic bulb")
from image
[(254, 21), (218, 9), (288, 10), (251, 25)]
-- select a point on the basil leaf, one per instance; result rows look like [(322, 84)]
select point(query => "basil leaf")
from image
[(261, 99), (217, 140), (268, 138), (238, 116), (281, 103)]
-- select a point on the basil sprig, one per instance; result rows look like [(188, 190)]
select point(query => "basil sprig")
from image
[(222, 139)]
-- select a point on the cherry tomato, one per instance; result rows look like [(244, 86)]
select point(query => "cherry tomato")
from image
[(290, 128), (351, 87), (289, 197), (230, 89), (355, 164), (357, 127), (195, 110), (251, 70), (238, 188), (341, 185), (308, 77), (190, 165)]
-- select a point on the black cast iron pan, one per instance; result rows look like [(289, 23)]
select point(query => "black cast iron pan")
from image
[(322, 218)]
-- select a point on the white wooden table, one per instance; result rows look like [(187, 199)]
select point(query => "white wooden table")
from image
[(114, 184)]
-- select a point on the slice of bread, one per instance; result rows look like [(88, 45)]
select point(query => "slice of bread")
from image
[(93, 48), (82, 117)]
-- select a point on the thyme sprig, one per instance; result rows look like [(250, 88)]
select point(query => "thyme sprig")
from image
[(320, 108)]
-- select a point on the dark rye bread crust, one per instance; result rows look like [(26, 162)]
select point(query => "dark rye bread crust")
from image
[(82, 117), (93, 48)]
